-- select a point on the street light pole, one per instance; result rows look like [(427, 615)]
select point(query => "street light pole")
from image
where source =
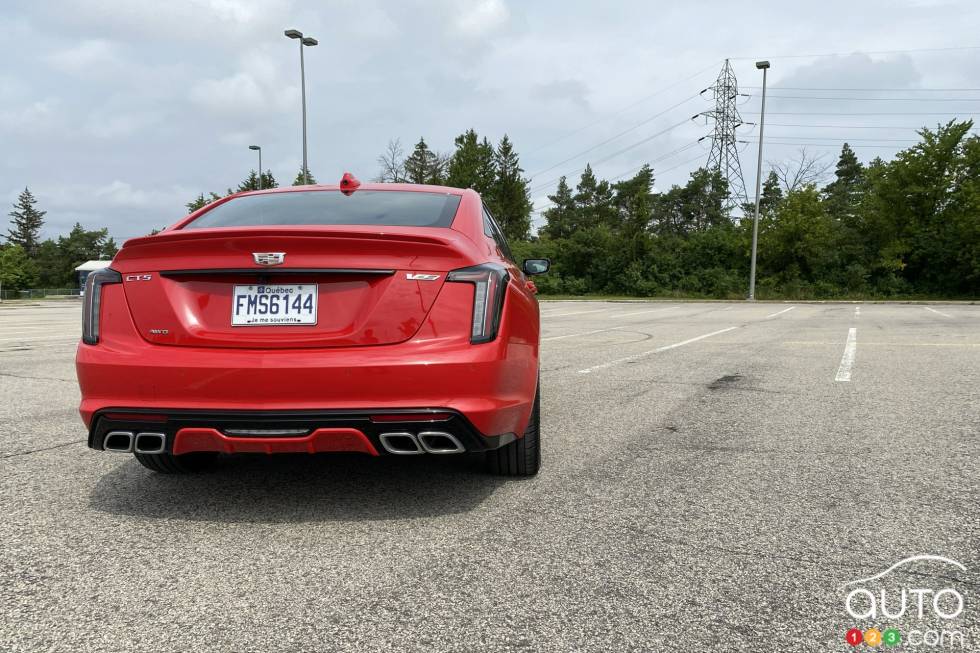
[(310, 42), (764, 66), (256, 147)]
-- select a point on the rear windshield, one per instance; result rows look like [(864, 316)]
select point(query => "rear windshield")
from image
[(324, 207)]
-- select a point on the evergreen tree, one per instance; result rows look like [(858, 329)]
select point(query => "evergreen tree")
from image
[(695, 207), (109, 249), (472, 165), (27, 222), (634, 201), (268, 181), (423, 166), (560, 217), (252, 181), (772, 194), (301, 180), (509, 196), (593, 201), (201, 201), (844, 193)]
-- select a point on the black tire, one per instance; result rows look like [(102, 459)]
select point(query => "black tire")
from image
[(165, 463), (521, 457)]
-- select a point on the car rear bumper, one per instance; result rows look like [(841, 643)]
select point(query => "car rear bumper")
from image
[(360, 431), (491, 385)]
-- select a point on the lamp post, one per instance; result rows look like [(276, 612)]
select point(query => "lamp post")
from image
[(310, 42), (259, 149), (764, 67)]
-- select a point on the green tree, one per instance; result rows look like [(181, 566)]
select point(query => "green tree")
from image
[(796, 245), (843, 195), (560, 218), (509, 196), (50, 265), (251, 182), (593, 201), (17, 270), (57, 260), (201, 201), (109, 249), (472, 164), (301, 180), (26, 221), (423, 166), (923, 213), (697, 206), (634, 202)]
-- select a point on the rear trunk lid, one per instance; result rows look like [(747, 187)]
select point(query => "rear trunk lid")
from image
[(365, 285)]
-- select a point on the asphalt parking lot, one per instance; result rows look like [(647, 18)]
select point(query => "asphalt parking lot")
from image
[(714, 473)]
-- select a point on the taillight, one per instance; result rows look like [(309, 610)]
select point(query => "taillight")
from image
[(91, 309), (489, 287)]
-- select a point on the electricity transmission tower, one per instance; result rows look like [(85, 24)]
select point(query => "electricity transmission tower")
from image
[(724, 145)]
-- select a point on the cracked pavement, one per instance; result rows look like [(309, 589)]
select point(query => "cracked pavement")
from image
[(702, 492)]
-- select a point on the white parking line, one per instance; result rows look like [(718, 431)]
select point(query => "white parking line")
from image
[(728, 309), (857, 312), (785, 310), (598, 310), (29, 339), (587, 333), (649, 310), (634, 357), (847, 360), (937, 312)]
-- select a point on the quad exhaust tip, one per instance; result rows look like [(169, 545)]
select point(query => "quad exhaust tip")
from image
[(439, 442), (408, 444), (150, 443), (127, 442), (118, 441), (400, 444)]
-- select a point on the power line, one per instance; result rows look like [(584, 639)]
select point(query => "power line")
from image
[(868, 89), (612, 138), (623, 110), (829, 144), (873, 113), (777, 124), (846, 54), (849, 139), (659, 158), (874, 99), (617, 153)]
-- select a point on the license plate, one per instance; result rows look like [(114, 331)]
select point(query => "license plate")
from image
[(274, 304)]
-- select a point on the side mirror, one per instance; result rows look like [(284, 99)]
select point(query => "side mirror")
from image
[(534, 266)]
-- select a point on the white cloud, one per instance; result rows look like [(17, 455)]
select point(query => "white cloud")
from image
[(87, 57), (36, 116), (256, 89), (480, 17), (219, 21)]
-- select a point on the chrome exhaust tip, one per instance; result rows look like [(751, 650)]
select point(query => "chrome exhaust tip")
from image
[(118, 441), (439, 442), (150, 443), (400, 444)]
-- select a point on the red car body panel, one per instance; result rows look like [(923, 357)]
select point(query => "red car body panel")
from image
[(382, 342), (190, 440)]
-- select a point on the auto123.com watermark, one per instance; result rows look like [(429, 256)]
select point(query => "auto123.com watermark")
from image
[(930, 609)]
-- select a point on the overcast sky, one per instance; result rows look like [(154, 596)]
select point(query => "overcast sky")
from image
[(118, 112)]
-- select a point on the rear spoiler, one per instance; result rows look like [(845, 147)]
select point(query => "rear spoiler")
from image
[(407, 235)]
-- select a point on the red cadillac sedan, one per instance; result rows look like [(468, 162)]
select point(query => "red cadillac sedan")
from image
[(386, 319)]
